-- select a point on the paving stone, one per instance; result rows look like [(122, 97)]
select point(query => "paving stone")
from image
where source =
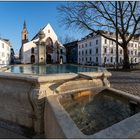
[(126, 81)]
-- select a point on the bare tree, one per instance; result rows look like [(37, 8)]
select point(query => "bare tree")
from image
[(66, 39), (97, 16)]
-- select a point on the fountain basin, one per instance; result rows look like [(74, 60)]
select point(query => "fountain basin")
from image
[(22, 96), (92, 113), (51, 69)]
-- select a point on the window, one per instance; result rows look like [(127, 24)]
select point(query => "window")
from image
[(90, 51), (121, 51), (86, 51), (89, 43), (104, 59), (90, 58), (79, 59), (48, 31), (25, 37), (82, 52), (79, 46), (82, 46), (135, 52), (61, 51), (82, 58), (96, 42), (105, 41), (131, 52), (135, 45), (135, 59), (131, 60), (86, 59), (2, 45), (111, 59), (111, 50), (32, 50), (96, 50), (86, 45), (79, 53), (105, 50), (97, 59), (131, 44)]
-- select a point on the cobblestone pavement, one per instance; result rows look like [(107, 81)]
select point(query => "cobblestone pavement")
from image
[(126, 81)]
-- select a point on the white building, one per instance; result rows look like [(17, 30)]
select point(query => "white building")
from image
[(98, 50), (55, 51), (5, 52)]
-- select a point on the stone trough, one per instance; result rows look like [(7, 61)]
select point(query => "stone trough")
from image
[(96, 111)]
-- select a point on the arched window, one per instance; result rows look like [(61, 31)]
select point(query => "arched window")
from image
[(49, 45), (25, 37), (32, 50), (61, 51)]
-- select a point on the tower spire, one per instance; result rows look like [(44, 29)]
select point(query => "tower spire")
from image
[(24, 26), (24, 34)]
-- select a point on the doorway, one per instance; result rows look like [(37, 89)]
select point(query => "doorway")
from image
[(32, 59), (49, 59)]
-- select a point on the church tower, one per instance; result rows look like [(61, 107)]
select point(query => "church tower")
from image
[(24, 34), (24, 40)]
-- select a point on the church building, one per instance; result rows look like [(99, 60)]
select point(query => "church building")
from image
[(54, 51)]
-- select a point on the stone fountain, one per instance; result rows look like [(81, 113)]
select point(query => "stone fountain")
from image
[(41, 47)]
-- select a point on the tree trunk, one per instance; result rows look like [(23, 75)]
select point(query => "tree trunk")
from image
[(126, 64)]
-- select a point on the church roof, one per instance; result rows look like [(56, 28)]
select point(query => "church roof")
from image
[(36, 36)]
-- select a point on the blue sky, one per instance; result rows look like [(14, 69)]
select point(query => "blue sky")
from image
[(36, 14)]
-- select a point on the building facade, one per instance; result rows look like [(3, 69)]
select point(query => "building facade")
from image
[(97, 50), (72, 52), (54, 51), (5, 52)]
